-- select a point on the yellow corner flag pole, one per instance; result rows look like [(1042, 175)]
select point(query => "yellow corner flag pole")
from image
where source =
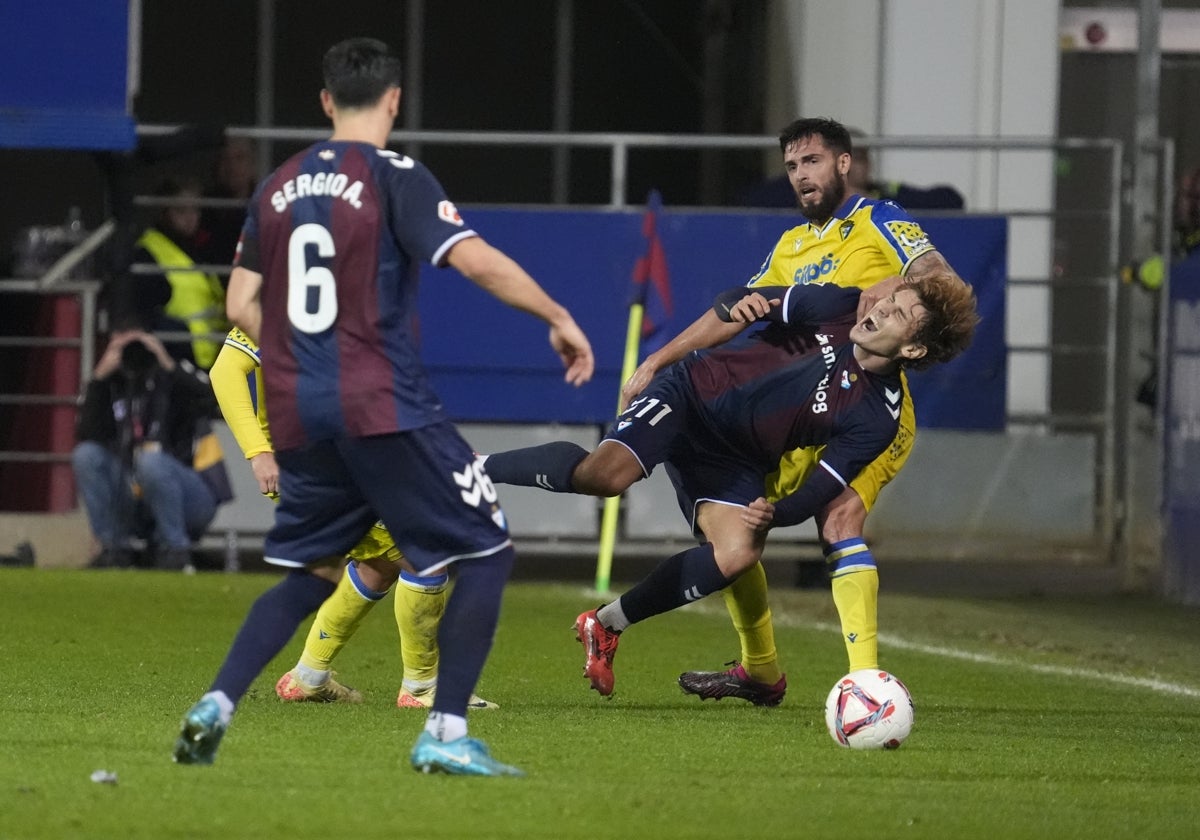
[(612, 505)]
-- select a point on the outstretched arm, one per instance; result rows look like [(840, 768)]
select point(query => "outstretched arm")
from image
[(738, 307), (706, 331), (500, 276)]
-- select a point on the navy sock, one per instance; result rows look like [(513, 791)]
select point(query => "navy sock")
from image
[(268, 627), (468, 628), (548, 466), (687, 576)]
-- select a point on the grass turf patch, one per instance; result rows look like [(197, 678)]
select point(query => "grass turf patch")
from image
[(102, 665)]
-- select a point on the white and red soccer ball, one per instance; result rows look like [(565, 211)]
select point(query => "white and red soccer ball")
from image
[(869, 710)]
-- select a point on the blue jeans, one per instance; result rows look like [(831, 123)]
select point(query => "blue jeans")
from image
[(175, 496)]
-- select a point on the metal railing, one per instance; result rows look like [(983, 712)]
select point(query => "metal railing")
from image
[(1102, 422)]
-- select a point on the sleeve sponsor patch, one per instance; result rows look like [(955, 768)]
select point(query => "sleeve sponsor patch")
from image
[(909, 237), (449, 213)]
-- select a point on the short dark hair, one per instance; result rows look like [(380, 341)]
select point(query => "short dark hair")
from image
[(950, 319), (358, 71), (831, 132)]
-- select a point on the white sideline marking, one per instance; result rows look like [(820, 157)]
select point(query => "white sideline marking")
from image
[(1160, 686), (1056, 670)]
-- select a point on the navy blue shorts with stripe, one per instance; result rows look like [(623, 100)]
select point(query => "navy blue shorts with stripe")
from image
[(663, 426), (427, 485)]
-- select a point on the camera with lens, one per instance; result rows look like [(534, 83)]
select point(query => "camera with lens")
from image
[(137, 360)]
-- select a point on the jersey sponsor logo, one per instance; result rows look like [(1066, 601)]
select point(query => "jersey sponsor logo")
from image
[(447, 212), (797, 244), (813, 272), (304, 185), (820, 399), (909, 236)]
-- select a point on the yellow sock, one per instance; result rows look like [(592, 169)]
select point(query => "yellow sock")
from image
[(856, 596), (420, 602), (746, 600), (337, 619)]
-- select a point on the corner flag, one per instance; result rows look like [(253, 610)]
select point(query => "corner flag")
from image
[(650, 309), (651, 281)]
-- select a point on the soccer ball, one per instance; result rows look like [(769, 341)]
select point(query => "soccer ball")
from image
[(869, 710)]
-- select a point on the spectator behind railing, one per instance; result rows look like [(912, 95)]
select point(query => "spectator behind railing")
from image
[(176, 242), (234, 178)]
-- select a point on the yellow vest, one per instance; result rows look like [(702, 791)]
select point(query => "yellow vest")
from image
[(197, 298)]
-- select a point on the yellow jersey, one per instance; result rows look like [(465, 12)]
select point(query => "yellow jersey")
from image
[(866, 241)]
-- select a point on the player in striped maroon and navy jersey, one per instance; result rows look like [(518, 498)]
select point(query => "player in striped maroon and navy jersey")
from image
[(719, 420), (325, 281)]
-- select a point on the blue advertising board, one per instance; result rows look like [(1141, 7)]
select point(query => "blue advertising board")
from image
[(1181, 438), (489, 363), (65, 71)]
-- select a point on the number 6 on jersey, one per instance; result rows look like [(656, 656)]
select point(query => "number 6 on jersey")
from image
[(312, 291)]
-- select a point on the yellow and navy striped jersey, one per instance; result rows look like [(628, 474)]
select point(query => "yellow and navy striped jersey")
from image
[(864, 242), (237, 383)]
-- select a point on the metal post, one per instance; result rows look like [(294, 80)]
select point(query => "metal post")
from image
[(264, 108), (1141, 244), (620, 168), (1108, 457), (87, 331), (563, 79), (414, 62)]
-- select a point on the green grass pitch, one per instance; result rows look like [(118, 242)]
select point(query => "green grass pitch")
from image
[(1035, 718)]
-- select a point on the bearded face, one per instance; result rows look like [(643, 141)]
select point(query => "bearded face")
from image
[(817, 176)]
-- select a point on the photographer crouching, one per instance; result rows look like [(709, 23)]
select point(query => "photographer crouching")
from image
[(133, 460)]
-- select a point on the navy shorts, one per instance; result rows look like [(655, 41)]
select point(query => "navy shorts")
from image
[(427, 485), (664, 426)]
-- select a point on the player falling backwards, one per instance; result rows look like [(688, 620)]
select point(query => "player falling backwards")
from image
[(851, 241), (419, 600), (720, 419)]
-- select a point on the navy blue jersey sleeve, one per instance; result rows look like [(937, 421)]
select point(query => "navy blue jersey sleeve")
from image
[(808, 305), (423, 220), (859, 440), (818, 490)]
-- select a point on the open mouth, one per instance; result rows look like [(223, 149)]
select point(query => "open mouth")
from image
[(869, 324)]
